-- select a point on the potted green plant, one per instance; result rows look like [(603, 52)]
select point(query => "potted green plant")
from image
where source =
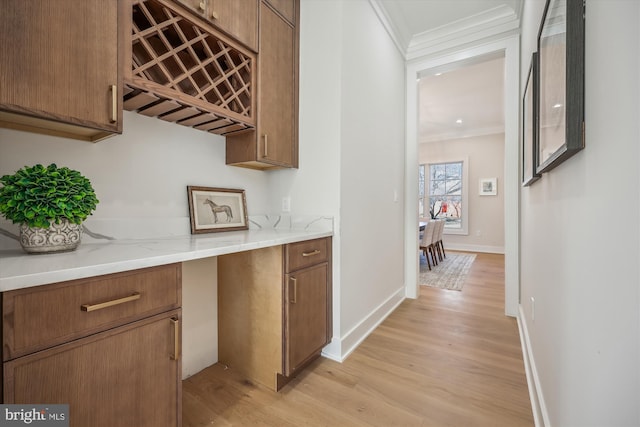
[(50, 204)]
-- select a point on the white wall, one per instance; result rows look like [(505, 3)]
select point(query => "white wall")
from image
[(142, 173), (485, 155), (578, 261), (199, 315), (372, 172), (351, 149)]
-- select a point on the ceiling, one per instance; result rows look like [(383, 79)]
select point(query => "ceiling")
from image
[(473, 92), (467, 101)]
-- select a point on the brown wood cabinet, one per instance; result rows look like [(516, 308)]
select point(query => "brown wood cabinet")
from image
[(307, 298), (108, 346), (61, 67), (286, 8), (183, 70), (274, 142), (237, 18), (274, 309)]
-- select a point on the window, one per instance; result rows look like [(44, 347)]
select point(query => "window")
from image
[(441, 193)]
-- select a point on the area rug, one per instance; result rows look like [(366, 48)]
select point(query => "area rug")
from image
[(450, 273)]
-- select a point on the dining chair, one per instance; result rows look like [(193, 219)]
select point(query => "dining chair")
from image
[(438, 239), (426, 244)]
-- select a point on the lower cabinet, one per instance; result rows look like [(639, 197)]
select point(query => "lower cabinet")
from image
[(274, 309), (107, 346), (306, 316), (128, 376)]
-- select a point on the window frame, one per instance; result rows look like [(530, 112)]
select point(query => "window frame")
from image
[(464, 225)]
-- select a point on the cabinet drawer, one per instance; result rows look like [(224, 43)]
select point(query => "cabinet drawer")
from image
[(41, 317), (307, 253)]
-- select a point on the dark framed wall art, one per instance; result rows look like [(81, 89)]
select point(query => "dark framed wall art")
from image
[(530, 125), (560, 83)]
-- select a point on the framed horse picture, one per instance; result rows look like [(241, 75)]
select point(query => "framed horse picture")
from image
[(217, 209)]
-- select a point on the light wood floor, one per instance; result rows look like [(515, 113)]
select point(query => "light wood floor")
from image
[(448, 358)]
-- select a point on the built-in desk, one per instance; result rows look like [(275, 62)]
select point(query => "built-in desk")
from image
[(100, 328)]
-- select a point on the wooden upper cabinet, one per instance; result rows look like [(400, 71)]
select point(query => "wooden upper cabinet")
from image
[(286, 8), (238, 18), (274, 144), (61, 67), (197, 6)]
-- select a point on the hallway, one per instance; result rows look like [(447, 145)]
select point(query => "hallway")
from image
[(446, 359)]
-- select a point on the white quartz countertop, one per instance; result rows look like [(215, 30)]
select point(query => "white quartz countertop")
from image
[(21, 270)]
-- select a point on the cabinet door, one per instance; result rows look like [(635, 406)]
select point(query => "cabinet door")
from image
[(127, 376), (199, 7), (278, 90), (286, 8), (60, 62), (306, 315), (239, 18)]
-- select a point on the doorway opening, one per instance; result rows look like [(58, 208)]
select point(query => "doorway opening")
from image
[(460, 146), (505, 51)]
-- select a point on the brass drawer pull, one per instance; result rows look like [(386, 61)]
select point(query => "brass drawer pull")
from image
[(114, 103), (266, 146), (94, 307), (295, 290), (175, 322), (312, 253)]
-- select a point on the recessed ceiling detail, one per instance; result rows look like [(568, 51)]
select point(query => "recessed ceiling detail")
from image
[(468, 101)]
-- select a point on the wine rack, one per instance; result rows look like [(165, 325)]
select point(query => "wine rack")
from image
[(185, 71)]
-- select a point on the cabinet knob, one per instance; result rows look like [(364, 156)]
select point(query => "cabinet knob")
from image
[(202, 6), (214, 15)]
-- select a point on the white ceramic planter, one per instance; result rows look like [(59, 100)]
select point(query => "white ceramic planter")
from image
[(62, 237)]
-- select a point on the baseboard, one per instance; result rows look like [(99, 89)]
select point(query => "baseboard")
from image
[(538, 407), (474, 248), (352, 339)]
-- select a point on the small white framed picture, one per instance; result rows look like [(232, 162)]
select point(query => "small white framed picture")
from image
[(488, 186), (217, 209)]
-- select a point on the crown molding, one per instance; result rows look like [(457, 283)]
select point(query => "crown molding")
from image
[(490, 24), (499, 21), (456, 134), (399, 35)]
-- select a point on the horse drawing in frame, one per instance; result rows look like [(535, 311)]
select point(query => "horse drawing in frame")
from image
[(216, 209)]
